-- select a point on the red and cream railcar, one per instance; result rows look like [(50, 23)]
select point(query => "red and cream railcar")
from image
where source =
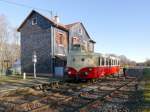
[(88, 65)]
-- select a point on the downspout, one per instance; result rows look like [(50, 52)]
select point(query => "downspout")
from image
[(52, 50)]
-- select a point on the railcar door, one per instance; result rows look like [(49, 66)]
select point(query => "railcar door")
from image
[(100, 68)]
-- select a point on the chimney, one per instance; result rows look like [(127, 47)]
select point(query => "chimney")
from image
[(56, 19)]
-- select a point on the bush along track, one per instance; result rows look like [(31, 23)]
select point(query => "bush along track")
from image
[(146, 90)]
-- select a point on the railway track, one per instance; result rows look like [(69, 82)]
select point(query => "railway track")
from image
[(66, 97), (99, 102)]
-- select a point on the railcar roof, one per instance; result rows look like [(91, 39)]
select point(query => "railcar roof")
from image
[(94, 54), (86, 53)]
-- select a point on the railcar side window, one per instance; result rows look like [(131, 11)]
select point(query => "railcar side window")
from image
[(99, 61), (109, 61), (103, 61), (112, 62)]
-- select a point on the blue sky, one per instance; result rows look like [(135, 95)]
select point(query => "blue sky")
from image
[(118, 26)]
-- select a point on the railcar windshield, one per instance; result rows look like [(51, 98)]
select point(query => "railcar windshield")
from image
[(78, 47), (78, 61)]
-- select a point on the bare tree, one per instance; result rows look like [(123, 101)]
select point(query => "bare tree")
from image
[(147, 62), (3, 39), (9, 44), (124, 61)]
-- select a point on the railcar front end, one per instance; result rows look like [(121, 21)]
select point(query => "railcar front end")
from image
[(86, 65)]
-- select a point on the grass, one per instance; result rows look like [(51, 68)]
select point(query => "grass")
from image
[(19, 78), (146, 74), (16, 81)]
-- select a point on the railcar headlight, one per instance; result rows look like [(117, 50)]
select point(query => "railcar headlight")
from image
[(85, 73), (69, 72), (90, 69)]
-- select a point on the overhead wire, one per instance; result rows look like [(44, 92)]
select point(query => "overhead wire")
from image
[(23, 5)]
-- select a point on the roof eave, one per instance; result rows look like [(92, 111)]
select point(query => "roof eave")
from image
[(92, 41)]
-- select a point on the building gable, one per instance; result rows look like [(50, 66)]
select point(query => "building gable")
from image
[(78, 26), (79, 35), (40, 20)]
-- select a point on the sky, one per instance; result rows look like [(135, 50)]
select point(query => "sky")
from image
[(121, 27)]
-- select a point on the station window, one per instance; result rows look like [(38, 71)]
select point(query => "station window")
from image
[(80, 31), (75, 40), (34, 21), (90, 47), (59, 38)]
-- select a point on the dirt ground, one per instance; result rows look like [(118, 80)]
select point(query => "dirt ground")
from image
[(14, 82)]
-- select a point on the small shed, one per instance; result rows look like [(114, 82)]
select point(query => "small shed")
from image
[(16, 67)]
